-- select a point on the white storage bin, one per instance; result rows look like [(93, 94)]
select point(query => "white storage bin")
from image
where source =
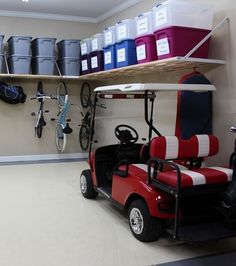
[(144, 24), (125, 30), (183, 14), (97, 42), (85, 46), (109, 36)]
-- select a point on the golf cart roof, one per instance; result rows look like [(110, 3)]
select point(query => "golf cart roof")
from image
[(140, 87)]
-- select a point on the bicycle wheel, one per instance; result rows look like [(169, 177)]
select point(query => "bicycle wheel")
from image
[(40, 90), (84, 137), (60, 138), (85, 95), (39, 127), (62, 94)]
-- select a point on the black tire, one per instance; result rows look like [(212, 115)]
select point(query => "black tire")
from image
[(84, 137), (86, 185), (145, 228), (85, 95), (40, 90), (39, 128), (61, 94)]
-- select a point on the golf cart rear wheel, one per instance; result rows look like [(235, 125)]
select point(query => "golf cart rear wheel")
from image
[(86, 185), (144, 227)]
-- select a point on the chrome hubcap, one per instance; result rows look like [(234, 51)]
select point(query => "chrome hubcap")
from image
[(83, 184), (136, 221)]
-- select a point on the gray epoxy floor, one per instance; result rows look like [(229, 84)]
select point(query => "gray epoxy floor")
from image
[(46, 222)]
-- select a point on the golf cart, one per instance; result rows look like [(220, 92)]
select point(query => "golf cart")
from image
[(163, 184)]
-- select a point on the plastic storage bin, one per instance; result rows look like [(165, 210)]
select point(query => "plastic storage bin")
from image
[(1, 44), (2, 63), (69, 48), (178, 41), (146, 48), (85, 46), (182, 13), (109, 36), (43, 65), (43, 47), (19, 64), (126, 53), (97, 42), (96, 61), (144, 24), (125, 30), (85, 65), (109, 57), (19, 45), (69, 66)]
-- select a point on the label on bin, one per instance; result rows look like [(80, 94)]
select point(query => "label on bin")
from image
[(161, 17), (107, 58), (108, 37), (163, 47), (84, 65), (142, 26), (84, 49), (121, 55), (122, 32), (94, 62), (95, 44), (141, 52)]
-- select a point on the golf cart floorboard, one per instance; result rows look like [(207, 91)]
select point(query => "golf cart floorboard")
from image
[(204, 232)]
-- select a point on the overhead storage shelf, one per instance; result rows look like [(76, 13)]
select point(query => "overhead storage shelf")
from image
[(175, 64)]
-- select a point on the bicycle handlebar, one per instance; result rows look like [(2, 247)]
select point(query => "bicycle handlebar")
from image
[(43, 97)]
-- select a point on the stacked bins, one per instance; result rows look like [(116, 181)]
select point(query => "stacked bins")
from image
[(96, 57), (19, 58), (145, 39), (1, 54), (125, 44), (85, 48), (69, 57), (109, 48), (179, 26), (43, 51)]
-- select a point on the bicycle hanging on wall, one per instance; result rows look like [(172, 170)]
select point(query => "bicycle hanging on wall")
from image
[(41, 97)]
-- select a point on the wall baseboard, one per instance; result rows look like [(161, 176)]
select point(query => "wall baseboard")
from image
[(43, 157)]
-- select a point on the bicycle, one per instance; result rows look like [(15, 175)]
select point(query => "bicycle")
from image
[(63, 128), (41, 97), (86, 132)]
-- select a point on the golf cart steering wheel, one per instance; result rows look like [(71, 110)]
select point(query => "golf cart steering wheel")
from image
[(126, 134)]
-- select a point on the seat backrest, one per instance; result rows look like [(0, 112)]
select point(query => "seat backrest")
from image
[(172, 147)]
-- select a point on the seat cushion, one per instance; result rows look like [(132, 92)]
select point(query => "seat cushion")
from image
[(189, 178), (202, 176)]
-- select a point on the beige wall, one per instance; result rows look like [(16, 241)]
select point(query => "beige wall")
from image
[(224, 78)]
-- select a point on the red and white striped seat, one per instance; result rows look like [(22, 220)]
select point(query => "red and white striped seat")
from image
[(174, 148)]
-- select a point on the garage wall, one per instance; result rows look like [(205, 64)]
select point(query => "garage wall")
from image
[(17, 125)]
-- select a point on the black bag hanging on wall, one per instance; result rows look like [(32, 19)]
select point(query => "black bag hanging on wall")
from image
[(194, 109), (11, 94)]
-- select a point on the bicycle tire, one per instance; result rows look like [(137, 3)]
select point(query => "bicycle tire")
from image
[(40, 90), (84, 135), (61, 94), (39, 128), (60, 138), (85, 95)]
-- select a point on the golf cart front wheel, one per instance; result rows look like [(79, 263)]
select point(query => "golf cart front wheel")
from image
[(144, 227), (60, 138), (86, 185)]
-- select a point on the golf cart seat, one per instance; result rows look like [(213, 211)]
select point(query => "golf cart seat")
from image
[(167, 151), (163, 149)]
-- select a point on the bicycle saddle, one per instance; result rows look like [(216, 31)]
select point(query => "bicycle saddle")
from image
[(67, 129)]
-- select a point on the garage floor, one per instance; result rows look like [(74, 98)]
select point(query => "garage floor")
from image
[(46, 222)]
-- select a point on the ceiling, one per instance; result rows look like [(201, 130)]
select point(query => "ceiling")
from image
[(73, 10)]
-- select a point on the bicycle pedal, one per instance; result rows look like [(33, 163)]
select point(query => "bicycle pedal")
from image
[(33, 114), (46, 111)]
